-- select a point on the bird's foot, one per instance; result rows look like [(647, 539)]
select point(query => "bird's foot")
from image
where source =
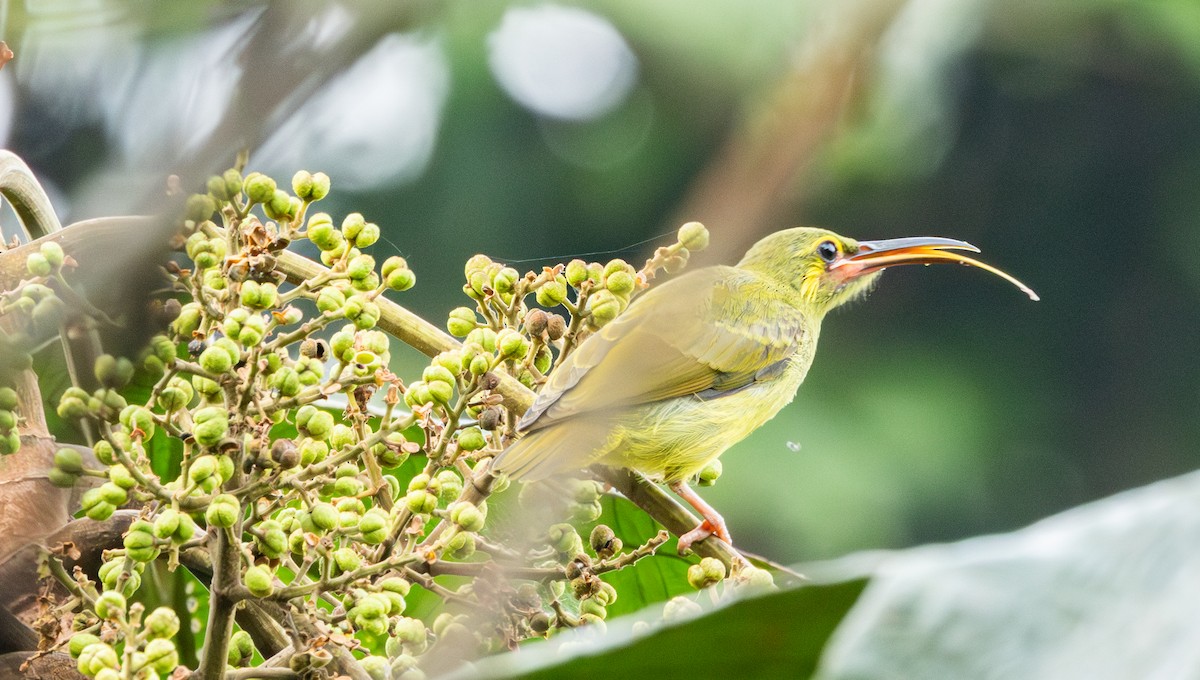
[(705, 529)]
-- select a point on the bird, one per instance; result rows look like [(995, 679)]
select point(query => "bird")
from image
[(695, 365)]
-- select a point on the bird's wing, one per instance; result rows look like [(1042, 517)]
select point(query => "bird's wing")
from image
[(705, 333)]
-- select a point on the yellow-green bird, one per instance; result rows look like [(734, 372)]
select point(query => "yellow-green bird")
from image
[(701, 361)]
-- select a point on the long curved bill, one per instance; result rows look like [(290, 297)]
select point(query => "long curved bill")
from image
[(876, 255)]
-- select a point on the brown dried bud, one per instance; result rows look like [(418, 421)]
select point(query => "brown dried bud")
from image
[(171, 309), (314, 348), (489, 419), (536, 322), (556, 327), (195, 347), (284, 452)]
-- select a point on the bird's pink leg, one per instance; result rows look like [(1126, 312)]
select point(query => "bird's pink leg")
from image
[(713, 524)]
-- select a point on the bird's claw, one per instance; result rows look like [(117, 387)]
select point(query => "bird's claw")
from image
[(705, 529)]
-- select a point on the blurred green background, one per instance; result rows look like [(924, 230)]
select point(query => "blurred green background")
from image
[(1061, 138)]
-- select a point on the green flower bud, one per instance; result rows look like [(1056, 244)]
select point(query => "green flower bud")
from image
[(543, 359), (98, 657), (176, 395), (346, 559), (377, 667), (603, 306), (273, 540), (79, 641), (410, 631), (48, 313), (302, 185), (53, 253), (441, 392), (476, 263), (483, 337), (710, 473), (199, 207), (139, 542), (462, 322), (112, 494), (61, 478), (324, 516), (360, 267), (511, 343), (323, 234), (202, 468), (8, 399), (565, 540), (37, 265), (188, 320), (468, 516), (136, 418), (480, 365), (680, 608), (120, 476), (393, 263), (374, 525), (420, 502), (576, 272), (161, 656), (352, 224), (552, 293), (620, 283), (471, 439), (330, 299), (217, 188), (110, 605), (618, 265), (241, 648), (319, 425), (693, 236), (233, 181), (95, 507), (593, 607), (460, 546), (367, 236), (506, 280), (206, 387), (166, 524), (68, 460), (709, 572), (259, 581), (369, 316), (313, 451), (211, 432), (400, 280), (223, 512), (340, 437), (259, 188), (438, 373), (113, 372)]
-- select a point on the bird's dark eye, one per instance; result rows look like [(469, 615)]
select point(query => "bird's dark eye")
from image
[(827, 250)]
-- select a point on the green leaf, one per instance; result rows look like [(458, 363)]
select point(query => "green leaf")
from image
[(779, 635)]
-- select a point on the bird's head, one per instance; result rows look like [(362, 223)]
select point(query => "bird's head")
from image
[(828, 270)]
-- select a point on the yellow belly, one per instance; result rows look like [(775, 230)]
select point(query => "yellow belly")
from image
[(673, 440)]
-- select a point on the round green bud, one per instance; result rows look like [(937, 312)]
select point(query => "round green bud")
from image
[(467, 516), (202, 468), (68, 460), (259, 188), (302, 185), (330, 299), (460, 546), (711, 472), (223, 512), (438, 373), (679, 608), (161, 656), (241, 648), (110, 605), (8, 399), (603, 306), (113, 372), (324, 516), (352, 224), (323, 234), (215, 360), (420, 502), (95, 507), (594, 607), (61, 478), (188, 320), (471, 439), (482, 337), (346, 559), (505, 280), (217, 188), (139, 544), (400, 280), (98, 657), (693, 236), (510, 342), (320, 425), (210, 432), (79, 641), (369, 316), (104, 452), (112, 494), (480, 365), (552, 293), (176, 395), (543, 360), (199, 207), (53, 253), (462, 322), (441, 392), (618, 265), (119, 475), (367, 236), (373, 526), (163, 623), (709, 572), (137, 418), (565, 540), (37, 265), (620, 283), (360, 267), (8, 419), (576, 272), (166, 524), (259, 581), (206, 387), (392, 264)]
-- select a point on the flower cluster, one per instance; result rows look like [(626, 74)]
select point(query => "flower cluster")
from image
[(264, 443)]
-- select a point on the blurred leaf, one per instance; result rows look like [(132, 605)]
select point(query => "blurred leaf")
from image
[(1105, 590), (780, 635)]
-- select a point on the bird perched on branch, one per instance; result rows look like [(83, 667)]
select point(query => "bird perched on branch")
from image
[(698, 363)]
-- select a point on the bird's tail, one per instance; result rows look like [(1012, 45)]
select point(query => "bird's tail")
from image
[(564, 447)]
